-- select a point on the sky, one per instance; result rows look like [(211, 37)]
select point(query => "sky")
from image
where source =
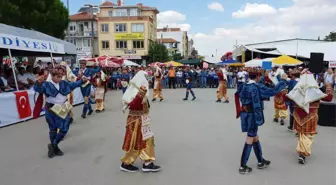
[(220, 24)]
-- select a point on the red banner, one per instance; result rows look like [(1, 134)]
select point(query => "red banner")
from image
[(22, 104)]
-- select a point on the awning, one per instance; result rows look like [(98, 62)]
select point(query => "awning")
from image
[(130, 63), (195, 61), (257, 62), (174, 64), (25, 42), (227, 62), (212, 60)]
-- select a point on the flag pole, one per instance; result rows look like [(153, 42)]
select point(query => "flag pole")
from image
[(12, 63)]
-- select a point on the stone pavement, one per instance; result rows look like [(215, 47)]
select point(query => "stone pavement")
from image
[(197, 143)]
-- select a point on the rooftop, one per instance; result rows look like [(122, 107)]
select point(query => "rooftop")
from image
[(82, 16), (168, 29), (109, 4), (285, 40), (167, 40)]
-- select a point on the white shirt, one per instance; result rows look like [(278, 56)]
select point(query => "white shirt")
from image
[(328, 78), (241, 76), (22, 78), (59, 99), (5, 82)]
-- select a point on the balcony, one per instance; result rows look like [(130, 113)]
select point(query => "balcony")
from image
[(82, 33)]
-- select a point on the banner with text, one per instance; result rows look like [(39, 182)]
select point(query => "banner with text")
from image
[(128, 36), (332, 64), (28, 44)]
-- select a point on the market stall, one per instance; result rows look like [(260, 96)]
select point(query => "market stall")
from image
[(18, 106), (174, 64)]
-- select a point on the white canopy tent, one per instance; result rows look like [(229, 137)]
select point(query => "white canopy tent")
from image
[(130, 63), (23, 42), (257, 62), (212, 60)]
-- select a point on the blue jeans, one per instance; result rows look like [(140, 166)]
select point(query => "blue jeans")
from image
[(204, 82)]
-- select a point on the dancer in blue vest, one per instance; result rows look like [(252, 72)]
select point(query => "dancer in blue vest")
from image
[(188, 77), (251, 95), (56, 91), (86, 88)]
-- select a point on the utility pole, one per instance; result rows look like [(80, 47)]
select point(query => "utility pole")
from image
[(68, 34), (92, 29)]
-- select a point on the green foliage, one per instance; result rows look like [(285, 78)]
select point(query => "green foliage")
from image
[(177, 56), (331, 36), (47, 16), (158, 52)]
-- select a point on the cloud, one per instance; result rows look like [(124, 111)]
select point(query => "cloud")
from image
[(173, 19), (254, 10), (303, 19), (216, 6)]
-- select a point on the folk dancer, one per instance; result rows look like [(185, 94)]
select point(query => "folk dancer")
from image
[(294, 78), (306, 96), (222, 87), (57, 106), (69, 77), (157, 84), (280, 107), (189, 83), (99, 82), (86, 88), (139, 138), (124, 80), (251, 95)]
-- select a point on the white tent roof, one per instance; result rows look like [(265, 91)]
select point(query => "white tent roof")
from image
[(32, 35), (130, 63), (212, 60), (257, 62)]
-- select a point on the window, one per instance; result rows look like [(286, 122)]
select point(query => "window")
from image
[(72, 28), (120, 27), (121, 44), (138, 44), (105, 44), (104, 28), (134, 12), (138, 28), (86, 43), (120, 12), (110, 13)]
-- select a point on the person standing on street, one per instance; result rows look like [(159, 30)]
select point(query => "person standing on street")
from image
[(139, 138), (157, 84), (250, 111), (172, 77)]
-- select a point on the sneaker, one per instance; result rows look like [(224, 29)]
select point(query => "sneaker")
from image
[(218, 101), (150, 168), (282, 122), (58, 152), (83, 116), (275, 120), (97, 111), (154, 99), (51, 151), (185, 99), (161, 100), (264, 164), (290, 129), (297, 134), (226, 101), (302, 159), (194, 98), (90, 112), (245, 170), (128, 168)]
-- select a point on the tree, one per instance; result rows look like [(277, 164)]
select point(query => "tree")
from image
[(158, 52), (47, 16), (331, 36), (177, 56)]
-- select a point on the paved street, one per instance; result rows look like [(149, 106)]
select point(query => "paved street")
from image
[(197, 143)]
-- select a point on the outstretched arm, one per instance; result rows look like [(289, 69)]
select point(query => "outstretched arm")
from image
[(266, 92)]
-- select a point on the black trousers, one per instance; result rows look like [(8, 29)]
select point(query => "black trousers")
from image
[(172, 82)]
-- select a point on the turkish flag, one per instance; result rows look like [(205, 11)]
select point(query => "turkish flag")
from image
[(22, 104)]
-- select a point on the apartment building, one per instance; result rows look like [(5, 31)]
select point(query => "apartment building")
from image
[(171, 44), (81, 33), (126, 31), (178, 35)]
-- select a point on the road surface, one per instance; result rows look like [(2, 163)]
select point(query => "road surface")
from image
[(198, 143)]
